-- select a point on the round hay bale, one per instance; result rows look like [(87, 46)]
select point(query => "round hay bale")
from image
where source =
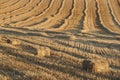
[(13, 41), (43, 51), (84, 31), (95, 66), (72, 37)]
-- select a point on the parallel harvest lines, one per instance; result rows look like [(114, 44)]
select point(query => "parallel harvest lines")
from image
[(89, 22), (14, 7), (98, 20), (72, 30), (36, 14), (106, 18), (22, 10), (36, 11), (114, 6), (57, 19), (73, 20), (11, 8), (9, 3), (48, 12), (25, 9), (3, 15)]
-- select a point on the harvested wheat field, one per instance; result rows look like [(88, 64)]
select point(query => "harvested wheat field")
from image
[(59, 39)]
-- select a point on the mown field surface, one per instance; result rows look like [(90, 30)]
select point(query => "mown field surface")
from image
[(70, 30)]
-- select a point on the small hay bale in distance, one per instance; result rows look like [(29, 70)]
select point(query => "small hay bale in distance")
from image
[(13, 41), (9, 41), (43, 51), (95, 66)]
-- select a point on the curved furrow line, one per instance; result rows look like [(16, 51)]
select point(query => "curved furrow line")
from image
[(98, 20), (49, 4), (71, 10), (113, 17), (72, 20), (106, 18), (62, 22), (72, 30), (11, 31), (3, 1), (33, 12), (3, 16), (26, 8), (9, 15), (89, 22), (66, 17), (64, 11), (22, 17), (7, 21), (99, 23), (113, 5), (50, 10), (14, 7), (81, 22), (22, 10), (42, 15), (58, 10), (9, 3), (32, 4), (78, 15), (41, 6), (50, 18)]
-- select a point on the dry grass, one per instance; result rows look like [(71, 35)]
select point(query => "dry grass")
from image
[(59, 40)]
